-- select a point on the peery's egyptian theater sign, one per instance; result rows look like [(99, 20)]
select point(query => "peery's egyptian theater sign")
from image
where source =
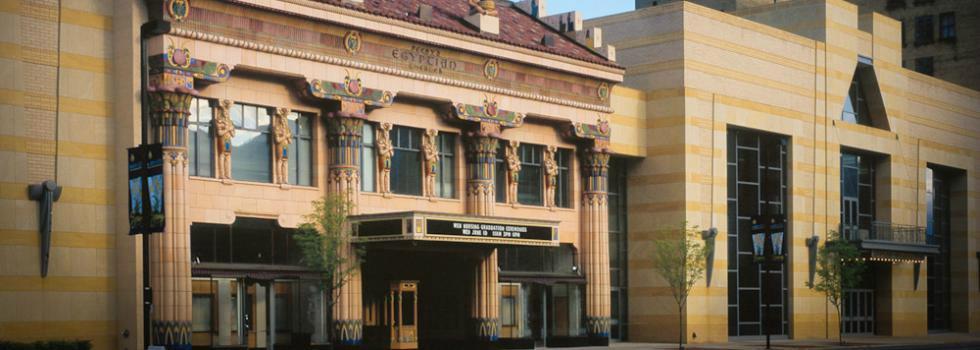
[(422, 226)]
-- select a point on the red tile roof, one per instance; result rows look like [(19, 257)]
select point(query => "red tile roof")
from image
[(516, 27)]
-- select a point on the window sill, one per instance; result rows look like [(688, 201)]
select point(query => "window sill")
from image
[(263, 184), (409, 196), (529, 206)]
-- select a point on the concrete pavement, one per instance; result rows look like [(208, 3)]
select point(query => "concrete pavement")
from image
[(933, 341)]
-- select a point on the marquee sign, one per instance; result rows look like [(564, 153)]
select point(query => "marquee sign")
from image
[(421, 226)]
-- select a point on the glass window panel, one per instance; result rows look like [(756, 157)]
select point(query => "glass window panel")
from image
[(263, 118), (305, 173), (748, 272), (500, 175), (747, 139), (732, 181), (732, 288), (368, 160), (251, 118), (529, 183), (850, 182), (203, 243), (507, 306), (563, 197), (773, 185), (201, 313), (748, 200), (408, 308), (406, 164), (748, 166), (446, 172), (238, 115), (251, 158), (748, 310), (732, 135), (252, 241)]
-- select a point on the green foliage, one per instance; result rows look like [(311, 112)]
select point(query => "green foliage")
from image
[(680, 258), (839, 267), (48, 345), (324, 240)]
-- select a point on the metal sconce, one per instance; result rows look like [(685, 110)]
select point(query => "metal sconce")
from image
[(709, 242), (812, 244), (45, 193)]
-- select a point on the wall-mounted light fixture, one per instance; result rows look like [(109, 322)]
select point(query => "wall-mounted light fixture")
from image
[(45, 193), (709, 243), (812, 243)]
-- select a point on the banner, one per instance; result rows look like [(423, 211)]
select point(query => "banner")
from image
[(146, 207)]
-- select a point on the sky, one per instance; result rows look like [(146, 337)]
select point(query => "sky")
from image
[(589, 8)]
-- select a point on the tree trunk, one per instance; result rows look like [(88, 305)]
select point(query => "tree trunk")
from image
[(680, 325), (840, 322)]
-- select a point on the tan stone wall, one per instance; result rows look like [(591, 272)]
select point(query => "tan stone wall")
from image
[(55, 87), (785, 69)]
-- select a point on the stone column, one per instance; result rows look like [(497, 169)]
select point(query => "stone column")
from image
[(481, 151), (170, 251), (595, 241), (343, 178)]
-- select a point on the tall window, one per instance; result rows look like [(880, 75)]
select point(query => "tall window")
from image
[(617, 248), (199, 149), (857, 186), (251, 157), (301, 151), (923, 30), (500, 173), (563, 194), (406, 164), (446, 172), (757, 185), (529, 189), (368, 160), (947, 26), (856, 105), (938, 229)]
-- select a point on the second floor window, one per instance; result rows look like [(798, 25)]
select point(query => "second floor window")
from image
[(563, 194), (924, 65), (947, 26), (857, 192), (855, 105), (368, 160), (301, 151), (500, 173), (406, 164), (446, 172), (199, 149), (529, 189), (251, 158), (923, 30)]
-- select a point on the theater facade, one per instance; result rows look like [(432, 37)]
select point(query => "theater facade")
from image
[(509, 171)]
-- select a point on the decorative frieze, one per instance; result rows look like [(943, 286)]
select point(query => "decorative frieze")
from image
[(387, 69), (488, 113)]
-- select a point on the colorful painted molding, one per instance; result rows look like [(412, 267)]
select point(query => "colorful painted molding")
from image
[(488, 113), (176, 67), (351, 90)]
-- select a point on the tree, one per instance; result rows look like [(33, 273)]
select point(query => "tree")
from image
[(324, 240), (839, 267), (680, 259)]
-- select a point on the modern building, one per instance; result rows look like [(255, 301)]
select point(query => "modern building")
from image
[(799, 108), (932, 32), (936, 36), (509, 170)]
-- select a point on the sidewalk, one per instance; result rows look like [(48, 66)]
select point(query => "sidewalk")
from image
[(933, 341)]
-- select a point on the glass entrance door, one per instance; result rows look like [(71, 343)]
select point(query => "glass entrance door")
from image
[(401, 314), (240, 313)]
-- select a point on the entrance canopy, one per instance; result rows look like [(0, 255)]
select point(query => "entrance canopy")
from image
[(425, 226)]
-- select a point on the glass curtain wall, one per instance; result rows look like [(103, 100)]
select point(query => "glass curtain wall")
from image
[(757, 184)]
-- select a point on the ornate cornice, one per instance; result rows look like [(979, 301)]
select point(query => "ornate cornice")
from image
[(278, 50), (598, 133)]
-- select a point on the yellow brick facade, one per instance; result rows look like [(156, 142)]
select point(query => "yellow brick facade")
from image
[(784, 69)]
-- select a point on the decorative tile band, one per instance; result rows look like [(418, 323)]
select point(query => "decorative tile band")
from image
[(277, 50)]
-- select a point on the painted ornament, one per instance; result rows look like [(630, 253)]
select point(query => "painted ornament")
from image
[(178, 9), (352, 42), (353, 86), (179, 57), (491, 69), (603, 91)]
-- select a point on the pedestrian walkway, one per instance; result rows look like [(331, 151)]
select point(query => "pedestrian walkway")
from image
[(933, 341)]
